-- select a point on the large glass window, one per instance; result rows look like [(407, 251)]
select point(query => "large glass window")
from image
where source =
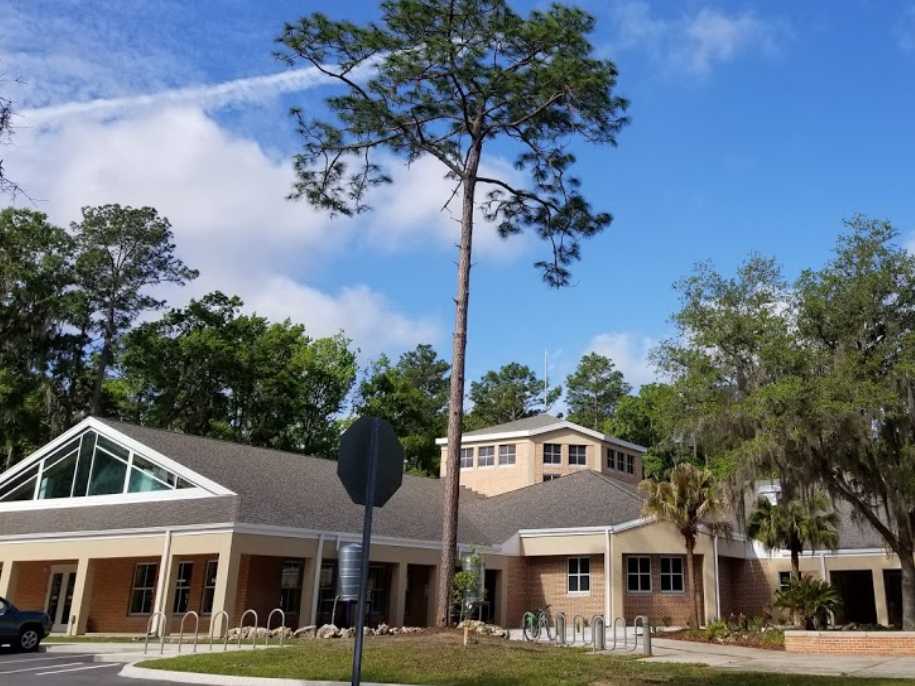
[(506, 454), (143, 591), (552, 453), (183, 587), (579, 576), (672, 574), (638, 574), (486, 456), (291, 586), (578, 454), (620, 461), (209, 586), (466, 458), (89, 465), (630, 464)]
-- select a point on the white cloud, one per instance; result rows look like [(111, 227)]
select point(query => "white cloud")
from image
[(629, 352), (248, 90), (693, 42)]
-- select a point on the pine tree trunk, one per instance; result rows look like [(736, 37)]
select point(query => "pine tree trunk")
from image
[(908, 592), (693, 586), (105, 359), (796, 564), (456, 395)]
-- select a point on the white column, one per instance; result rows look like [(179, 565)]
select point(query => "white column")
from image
[(226, 591), (163, 582), (608, 578), (717, 579), (316, 581), (82, 594), (400, 595), (6, 578)]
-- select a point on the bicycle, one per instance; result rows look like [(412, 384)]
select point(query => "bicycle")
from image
[(533, 623)]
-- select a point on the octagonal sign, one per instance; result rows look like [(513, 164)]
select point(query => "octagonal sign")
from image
[(370, 443)]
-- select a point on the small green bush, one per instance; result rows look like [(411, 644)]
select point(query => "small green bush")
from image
[(811, 599)]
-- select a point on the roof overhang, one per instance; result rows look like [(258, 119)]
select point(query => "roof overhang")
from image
[(559, 426)]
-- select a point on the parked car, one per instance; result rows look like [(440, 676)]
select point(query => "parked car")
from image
[(22, 629)]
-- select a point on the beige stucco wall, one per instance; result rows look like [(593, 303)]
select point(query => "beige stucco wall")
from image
[(529, 467)]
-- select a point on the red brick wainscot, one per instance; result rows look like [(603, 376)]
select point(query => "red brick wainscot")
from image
[(851, 642)]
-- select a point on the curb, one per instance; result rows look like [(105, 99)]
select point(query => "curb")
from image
[(131, 671)]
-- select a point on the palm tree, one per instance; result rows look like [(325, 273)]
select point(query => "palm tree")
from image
[(793, 525), (688, 498)]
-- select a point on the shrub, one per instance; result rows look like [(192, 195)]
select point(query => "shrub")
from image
[(809, 598)]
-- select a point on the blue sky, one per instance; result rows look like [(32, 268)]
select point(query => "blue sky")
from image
[(755, 127)]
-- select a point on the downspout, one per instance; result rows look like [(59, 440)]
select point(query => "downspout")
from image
[(316, 580), (608, 577)]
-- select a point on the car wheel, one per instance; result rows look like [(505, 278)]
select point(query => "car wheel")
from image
[(29, 638)]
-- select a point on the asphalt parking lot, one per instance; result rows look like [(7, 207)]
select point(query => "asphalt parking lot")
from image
[(61, 669)]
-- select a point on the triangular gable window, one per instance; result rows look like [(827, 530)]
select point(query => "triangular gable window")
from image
[(89, 464)]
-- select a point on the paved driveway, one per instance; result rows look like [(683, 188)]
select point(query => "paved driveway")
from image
[(61, 669)]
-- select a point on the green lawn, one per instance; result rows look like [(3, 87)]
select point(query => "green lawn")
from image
[(439, 659)]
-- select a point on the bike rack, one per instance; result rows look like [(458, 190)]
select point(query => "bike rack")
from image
[(241, 625), (162, 627), (578, 621), (196, 617), (220, 614), (646, 634), (615, 623), (282, 626), (598, 629), (545, 625), (560, 621)]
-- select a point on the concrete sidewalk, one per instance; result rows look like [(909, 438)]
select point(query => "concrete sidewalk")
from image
[(740, 659), (133, 652)]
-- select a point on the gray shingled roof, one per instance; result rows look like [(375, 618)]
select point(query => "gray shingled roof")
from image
[(585, 498), (538, 421)]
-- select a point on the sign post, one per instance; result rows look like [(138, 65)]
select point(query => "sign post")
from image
[(370, 467)]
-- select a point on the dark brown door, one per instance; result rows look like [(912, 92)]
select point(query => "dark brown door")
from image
[(417, 600)]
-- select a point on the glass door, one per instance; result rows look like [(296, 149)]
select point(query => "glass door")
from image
[(60, 596)]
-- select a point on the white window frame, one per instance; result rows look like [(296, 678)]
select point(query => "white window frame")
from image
[(557, 455), (638, 574), (208, 587), (584, 455), (182, 587), (490, 456), (611, 459), (506, 449), (784, 579), (630, 463), (467, 451), (672, 575), (578, 575), (620, 461)]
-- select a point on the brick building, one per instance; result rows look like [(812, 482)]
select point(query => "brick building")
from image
[(111, 523)]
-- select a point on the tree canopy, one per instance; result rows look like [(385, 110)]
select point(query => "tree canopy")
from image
[(593, 391), (511, 392)]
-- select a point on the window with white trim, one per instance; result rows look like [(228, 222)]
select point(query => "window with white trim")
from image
[(638, 574), (507, 454), (466, 458), (552, 453), (89, 464), (486, 456), (291, 585), (611, 463), (672, 575), (550, 477), (620, 461), (183, 587), (784, 580), (630, 464), (578, 454), (579, 575), (143, 589), (209, 586)]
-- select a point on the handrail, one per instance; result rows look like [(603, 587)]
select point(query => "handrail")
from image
[(282, 626), (220, 614), (162, 627), (615, 622), (560, 621), (598, 621), (196, 629), (578, 621), (241, 625)]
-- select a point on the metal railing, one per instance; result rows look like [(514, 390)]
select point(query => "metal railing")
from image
[(561, 627), (598, 633), (646, 634), (282, 626), (224, 625), (184, 617), (241, 626), (616, 622), (578, 622), (162, 629)]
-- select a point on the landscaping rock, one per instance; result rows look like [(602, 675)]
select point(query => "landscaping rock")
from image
[(328, 631), (349, 632)]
